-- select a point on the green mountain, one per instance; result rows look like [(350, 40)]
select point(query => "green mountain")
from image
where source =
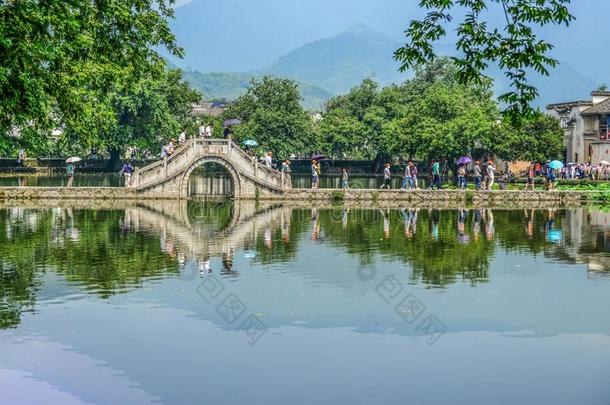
[(229, 86)]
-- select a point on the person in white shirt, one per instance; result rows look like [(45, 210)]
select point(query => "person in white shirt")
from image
[(201, 131), (209, 130), (182, 138), (491, 174), (269, 160)]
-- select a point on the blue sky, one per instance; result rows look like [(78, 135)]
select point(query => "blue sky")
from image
[(239, 35)]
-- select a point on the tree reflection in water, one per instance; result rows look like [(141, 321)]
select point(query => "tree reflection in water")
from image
[(110, 251)]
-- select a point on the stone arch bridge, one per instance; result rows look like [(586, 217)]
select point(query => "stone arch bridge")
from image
[(169, 178)]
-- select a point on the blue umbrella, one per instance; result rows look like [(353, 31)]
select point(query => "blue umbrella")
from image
[(556, 165), (250, 142), (554, 235)]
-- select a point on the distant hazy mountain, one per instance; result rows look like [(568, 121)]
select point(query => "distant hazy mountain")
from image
[(339, 63), (323, 68), (252, 36), (246, 35), (332, 66), (564, 84)]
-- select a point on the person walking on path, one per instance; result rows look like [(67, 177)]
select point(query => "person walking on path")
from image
[(437, 180), (552, 177), (462, 177), (413, 169), (491, 174), (182, 138), (269, 160), (70, 173), (287, 179), (315, 173), (531, 177), (387, 177), (229, 133), (478, 175), (127, 171), (21, 156), (208, 131), (344, 179), (408, 179)]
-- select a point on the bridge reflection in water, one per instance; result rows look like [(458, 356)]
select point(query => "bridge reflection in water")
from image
[(441, 246)]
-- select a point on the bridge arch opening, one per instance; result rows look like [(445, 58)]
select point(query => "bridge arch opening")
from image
[(211, 178), (212, 218)]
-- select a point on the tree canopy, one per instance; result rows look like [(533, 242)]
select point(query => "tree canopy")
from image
[(50, 50), (513, 45), (62, 62), (538, 138), (271, 114), (431, 115)]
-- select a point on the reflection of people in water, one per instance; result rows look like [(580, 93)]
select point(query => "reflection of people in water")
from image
[(267, 238), (386, 223), (413, 212), (410, 220), (227, 264), (476, 227), (285, 225), (434, 219), (205, 266), (405, 219), (461, 227), (529, 228), (489, 224), (315, 224), (552, 235), (181, 260), (344, 213)]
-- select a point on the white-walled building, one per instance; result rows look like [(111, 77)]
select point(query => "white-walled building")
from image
[(586, 126)]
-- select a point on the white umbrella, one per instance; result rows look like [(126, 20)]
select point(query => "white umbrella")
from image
[(604, 162), (73, 159)]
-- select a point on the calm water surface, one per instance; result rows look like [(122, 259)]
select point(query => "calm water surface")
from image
[(226, 303)]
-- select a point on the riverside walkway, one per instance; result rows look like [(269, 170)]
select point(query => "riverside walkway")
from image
[(423, 198), (168, 179)]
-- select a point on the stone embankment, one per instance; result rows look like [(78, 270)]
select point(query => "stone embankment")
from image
[(444, 198), (504, 197)]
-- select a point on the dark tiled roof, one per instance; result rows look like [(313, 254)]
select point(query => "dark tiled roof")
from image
[(599, 108), (600, 93), (570, 104)]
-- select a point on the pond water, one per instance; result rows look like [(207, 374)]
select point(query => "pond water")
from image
[(228, 303)]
